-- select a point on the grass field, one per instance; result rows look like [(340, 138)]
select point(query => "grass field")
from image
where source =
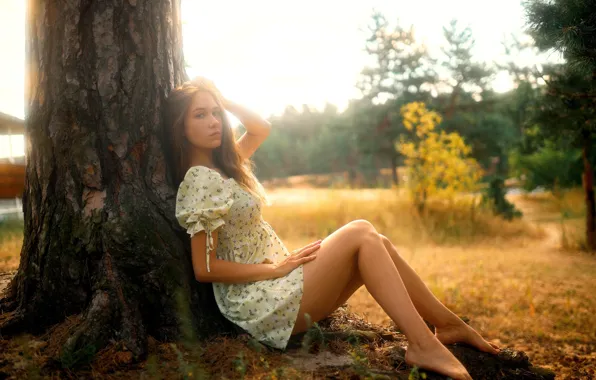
[(11, 241), (523, 284)]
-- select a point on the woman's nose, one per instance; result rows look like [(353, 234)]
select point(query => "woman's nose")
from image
[(214, 121)]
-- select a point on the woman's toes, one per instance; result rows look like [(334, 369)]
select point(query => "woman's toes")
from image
[(466, 334), (485, 346)]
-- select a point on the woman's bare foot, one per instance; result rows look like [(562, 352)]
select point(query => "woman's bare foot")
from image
[(463, 333), (435, 357)]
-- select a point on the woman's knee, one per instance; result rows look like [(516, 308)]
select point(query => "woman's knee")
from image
[(362, 225), (364, 230)]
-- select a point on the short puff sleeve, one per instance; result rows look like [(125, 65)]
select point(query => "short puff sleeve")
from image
[(203, 199)]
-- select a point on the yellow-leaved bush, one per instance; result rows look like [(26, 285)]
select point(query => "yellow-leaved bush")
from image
[(437, 162)]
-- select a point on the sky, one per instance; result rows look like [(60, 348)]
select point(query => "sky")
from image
[(268, 54)]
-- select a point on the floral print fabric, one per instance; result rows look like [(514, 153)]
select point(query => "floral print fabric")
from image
[(265, 309)]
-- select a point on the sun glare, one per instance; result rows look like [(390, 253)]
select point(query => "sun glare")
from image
[(12, 146), (502, 82)]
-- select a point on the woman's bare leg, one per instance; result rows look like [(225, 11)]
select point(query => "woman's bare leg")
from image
[(449, 327), (358, 248)]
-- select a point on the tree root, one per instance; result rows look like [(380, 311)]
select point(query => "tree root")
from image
[(12, 318), (11, 322)]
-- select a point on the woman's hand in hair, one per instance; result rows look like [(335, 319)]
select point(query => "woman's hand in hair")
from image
[(225, 102), (208, 84), (297, 258)]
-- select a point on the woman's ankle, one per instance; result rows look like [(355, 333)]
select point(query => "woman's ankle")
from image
[(423, 342), (455, 321)]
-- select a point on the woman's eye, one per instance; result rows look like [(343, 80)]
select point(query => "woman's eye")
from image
[(200, 115)]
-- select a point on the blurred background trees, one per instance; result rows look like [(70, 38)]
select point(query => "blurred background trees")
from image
[(539, 133)]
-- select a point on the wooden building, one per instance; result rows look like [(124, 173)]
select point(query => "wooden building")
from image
[(12, 164)]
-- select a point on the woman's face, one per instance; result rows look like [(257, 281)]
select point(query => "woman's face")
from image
[(203, 121)]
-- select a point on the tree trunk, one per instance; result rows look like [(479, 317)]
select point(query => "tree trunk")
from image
[(589, 192), (394, 169), (100, 234)]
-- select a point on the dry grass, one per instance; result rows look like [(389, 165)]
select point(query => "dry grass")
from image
[(548, 206), (316, 213), (11, 241), (564, 211)]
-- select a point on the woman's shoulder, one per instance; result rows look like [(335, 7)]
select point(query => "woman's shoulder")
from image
[(203, 180), (203, 174)]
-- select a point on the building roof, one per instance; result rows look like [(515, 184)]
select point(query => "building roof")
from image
[(11, 124)]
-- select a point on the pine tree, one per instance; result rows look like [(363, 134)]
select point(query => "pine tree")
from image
[(402, 71), (466, 76), (568, 110), (100, 237)]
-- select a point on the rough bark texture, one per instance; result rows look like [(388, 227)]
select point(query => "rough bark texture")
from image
[(100, 234)]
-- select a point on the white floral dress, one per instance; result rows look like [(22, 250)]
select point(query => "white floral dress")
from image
[(265, 309)]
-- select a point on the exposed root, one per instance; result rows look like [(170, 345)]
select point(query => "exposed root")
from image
[(133, 329), (57, 336), (11, 322), (91, 334)]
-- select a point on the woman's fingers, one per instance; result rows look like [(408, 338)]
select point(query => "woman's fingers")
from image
[(305, 248), (314, 243), (309, 250), (307, 259)]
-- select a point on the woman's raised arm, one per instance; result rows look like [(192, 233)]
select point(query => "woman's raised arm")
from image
[(257, 128)]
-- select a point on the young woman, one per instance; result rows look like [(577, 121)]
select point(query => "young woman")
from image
[(270, 292)]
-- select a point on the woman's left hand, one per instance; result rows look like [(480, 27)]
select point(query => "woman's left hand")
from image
[(226, 103)]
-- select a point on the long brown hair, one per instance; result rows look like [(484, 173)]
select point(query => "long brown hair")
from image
[(226, 156)]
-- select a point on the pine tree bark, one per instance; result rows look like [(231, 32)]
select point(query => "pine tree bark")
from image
[(100, 234)]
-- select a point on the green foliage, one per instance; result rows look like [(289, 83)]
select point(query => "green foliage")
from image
[(471, 108), (401, 71), (307, 142), (549, 167), (465, 73), (567, 26), (360, 363), (416, 374), (568, 109), (186, 369), (240, 364), (401, 66), (314, 335), (494, 197), (71, 359), (489, 134), (10, 227), (567, 112)]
